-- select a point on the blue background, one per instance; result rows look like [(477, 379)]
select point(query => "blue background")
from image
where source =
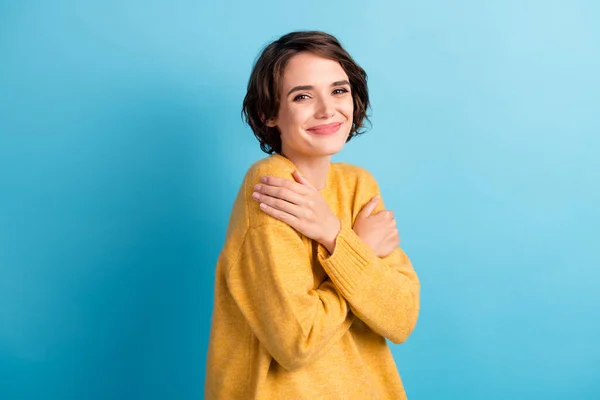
[(122, 149)]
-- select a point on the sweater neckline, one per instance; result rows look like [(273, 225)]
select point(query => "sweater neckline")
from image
[(327, 187)]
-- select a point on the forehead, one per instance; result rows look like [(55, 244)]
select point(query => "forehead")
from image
[(310, 69)]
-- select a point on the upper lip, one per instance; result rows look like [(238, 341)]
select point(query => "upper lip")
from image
[(324, 126)]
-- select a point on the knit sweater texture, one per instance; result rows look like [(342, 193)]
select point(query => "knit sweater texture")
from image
[(291, 321)]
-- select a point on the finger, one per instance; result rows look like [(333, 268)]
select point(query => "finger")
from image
[(278, 204), (286, 183), (277, 192), (391, 244), (394, 236), (280, 215), (369, 207), (387, 215), (387, 247), (302, 180)]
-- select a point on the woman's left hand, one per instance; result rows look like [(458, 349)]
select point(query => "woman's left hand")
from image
[(299, 205)]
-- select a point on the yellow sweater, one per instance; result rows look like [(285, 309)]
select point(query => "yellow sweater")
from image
[(292, 322)]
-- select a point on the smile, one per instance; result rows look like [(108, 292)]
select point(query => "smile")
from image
[(327, 129)]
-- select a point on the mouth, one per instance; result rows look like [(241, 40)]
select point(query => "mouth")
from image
[(326, 129)]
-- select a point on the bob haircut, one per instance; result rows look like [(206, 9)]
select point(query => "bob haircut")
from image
[(261, 102)]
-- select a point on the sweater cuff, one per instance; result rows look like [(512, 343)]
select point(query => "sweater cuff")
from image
[(348, 264)]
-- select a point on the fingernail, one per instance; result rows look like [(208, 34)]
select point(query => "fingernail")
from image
[(263, 179)]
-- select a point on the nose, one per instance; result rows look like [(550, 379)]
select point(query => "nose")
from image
[(324, 108)]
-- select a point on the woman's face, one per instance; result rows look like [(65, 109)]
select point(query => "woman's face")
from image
[(316, 107)]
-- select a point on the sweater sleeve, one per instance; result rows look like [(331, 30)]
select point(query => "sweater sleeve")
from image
[(382, 292), (273, 285)]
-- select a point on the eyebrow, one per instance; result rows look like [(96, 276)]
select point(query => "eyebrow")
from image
[(309, 87)]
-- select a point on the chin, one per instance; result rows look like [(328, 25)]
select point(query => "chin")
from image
[(328, 150)]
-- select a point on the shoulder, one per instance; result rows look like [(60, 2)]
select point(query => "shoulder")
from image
[(274, 165)]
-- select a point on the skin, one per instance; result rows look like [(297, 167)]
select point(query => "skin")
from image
[(315, 91)]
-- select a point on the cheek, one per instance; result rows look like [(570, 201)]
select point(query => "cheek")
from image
[(291, 119), (299, 115), (348, 108), (286, 118)]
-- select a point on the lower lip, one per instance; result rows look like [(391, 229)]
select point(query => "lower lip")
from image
[(330, 130)]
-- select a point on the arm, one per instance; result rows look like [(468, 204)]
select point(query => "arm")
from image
[(272, 284), (382, 292)]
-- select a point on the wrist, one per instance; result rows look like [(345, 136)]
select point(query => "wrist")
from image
[(329, 241), (364, 239)]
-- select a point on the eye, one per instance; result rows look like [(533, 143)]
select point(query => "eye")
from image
[(340, 91), (301, 97)]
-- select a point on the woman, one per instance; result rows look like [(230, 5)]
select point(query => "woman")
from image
[(311, 280)]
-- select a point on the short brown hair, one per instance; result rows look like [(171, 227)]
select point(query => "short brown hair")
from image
[(261, 102)]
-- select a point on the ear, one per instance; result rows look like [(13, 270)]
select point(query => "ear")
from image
[(271, 122)]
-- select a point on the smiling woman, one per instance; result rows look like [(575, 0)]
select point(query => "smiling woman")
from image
[(311, 280)]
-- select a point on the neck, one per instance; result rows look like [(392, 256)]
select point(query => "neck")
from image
[(315, 169)]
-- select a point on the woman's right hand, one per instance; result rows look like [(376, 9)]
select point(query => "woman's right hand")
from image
[(377, 230)]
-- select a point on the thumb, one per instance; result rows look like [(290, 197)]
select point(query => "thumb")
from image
[(301, 179), (367, 210)]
